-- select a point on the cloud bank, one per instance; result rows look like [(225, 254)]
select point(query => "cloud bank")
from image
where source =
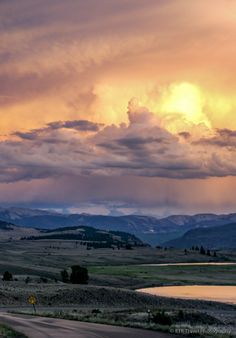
[(142, 147)]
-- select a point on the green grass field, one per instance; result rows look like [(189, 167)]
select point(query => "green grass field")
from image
[(170, 275)]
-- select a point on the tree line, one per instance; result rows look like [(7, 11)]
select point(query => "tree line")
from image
[(78, 275)]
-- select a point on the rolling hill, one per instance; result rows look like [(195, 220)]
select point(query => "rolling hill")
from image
[(9, 231), (90, 236), (86, 235), (218, 237)]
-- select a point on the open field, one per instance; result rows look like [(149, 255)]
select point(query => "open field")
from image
[(56, 254), (118, 268), (170, 275)]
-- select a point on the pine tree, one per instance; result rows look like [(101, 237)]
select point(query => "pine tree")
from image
[(64, 276), (202, 251)]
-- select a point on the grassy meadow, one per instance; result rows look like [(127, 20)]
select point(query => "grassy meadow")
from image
[(119, 268)]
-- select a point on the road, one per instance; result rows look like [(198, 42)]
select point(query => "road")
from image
[(42, 327)]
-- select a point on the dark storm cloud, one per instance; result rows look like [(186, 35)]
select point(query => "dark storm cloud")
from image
[(81, 125), (224, 138), (44, 133), (139, 142), (31, 135)]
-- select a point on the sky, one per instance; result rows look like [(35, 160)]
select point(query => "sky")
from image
[(118, 107)]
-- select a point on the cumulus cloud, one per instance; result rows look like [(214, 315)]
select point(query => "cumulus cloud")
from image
[(140, 148)]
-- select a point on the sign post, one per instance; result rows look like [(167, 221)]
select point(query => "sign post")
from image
[(32, 300)]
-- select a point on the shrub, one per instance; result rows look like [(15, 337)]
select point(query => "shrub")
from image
[(160, 317), (180, 315), (96, 312), (27, 280), (128, 247), (79, 275), (7, 276)]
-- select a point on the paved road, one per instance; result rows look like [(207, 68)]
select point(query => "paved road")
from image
[(40, 327)]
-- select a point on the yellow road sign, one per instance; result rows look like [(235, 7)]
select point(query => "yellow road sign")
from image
[(32, 300)]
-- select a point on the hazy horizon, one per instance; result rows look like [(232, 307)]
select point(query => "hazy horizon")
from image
[(108, 212)]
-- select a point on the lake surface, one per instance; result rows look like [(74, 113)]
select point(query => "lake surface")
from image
[(192, 264), (225, 294)]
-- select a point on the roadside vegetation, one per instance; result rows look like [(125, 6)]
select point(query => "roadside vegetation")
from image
[(182, 322), (6, 332)]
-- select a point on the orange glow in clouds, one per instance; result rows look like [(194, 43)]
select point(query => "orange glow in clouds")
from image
[(137, 74), (179, 106)]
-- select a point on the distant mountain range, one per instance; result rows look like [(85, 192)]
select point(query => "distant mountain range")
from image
[(217, 237), (150, 229)]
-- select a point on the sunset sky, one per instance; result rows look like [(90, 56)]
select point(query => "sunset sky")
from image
[(118, 106)]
